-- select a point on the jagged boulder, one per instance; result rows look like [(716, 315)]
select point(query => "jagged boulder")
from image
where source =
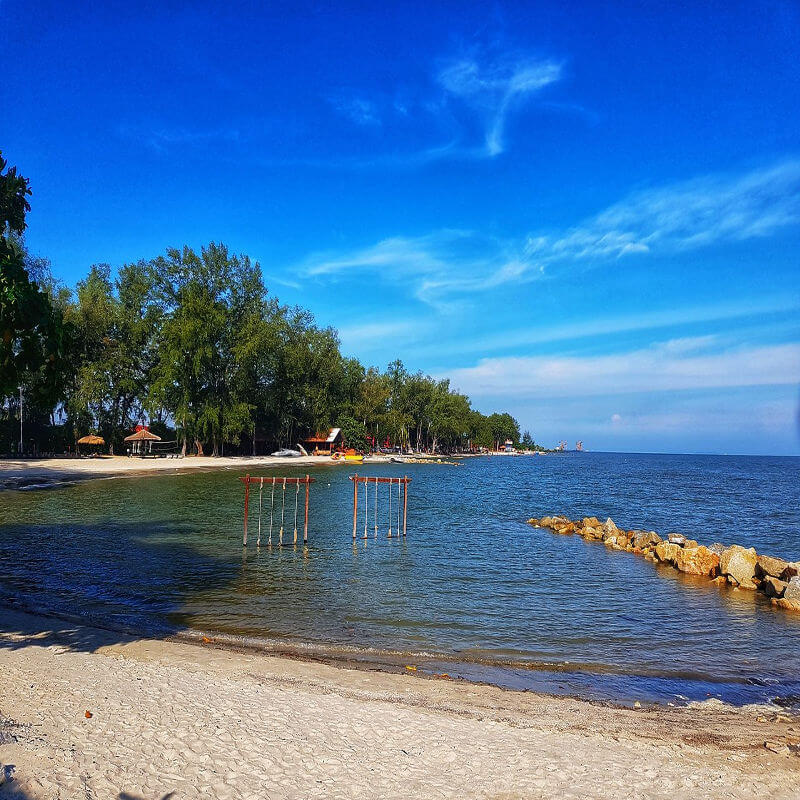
[(644, 539), (591, 522), (739, 563), (717, 548), (676, 538), (791, 595), (697, 561), (767, 565), (564, 527), (667, 552)]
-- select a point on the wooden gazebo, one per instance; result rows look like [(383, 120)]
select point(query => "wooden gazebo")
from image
[(142, 442)]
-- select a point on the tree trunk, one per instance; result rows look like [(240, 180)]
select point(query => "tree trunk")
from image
[(198, 446)]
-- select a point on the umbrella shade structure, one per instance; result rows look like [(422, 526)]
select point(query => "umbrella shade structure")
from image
[(92, 439), (141, 442)]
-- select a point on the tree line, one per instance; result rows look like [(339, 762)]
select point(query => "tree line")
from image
[(195, 345)]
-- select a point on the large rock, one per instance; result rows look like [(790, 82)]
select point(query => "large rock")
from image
[(591, 522), (792, 591), (739, 563), (676, 538), (697, 561), (767, 565), (773, 587), (642, 539), (667, 552), (791, 595)]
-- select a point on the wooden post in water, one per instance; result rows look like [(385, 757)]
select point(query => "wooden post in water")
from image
[(305, 524), (246, 506), (355, 505), (405, 502)]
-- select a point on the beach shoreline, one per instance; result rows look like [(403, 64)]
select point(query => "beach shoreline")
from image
[(42, 472), (245, 724)]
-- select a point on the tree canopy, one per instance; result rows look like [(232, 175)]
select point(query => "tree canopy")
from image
[(194, 344)]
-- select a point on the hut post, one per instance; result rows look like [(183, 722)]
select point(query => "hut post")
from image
[(355, 504), (246, 506), (305, 523), (405, 502)]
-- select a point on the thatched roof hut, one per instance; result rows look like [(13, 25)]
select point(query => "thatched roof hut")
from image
[(92, 439), (142, 441)]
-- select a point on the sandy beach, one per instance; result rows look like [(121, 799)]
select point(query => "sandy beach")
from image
[(173, 719), (47, 470)]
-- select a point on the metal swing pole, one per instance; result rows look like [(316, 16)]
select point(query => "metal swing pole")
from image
[(260, 490), (405, 502), (355, 505), (296, 495), (305, 524), (283, 508), (246, 506), (271, 512), (366, 505)]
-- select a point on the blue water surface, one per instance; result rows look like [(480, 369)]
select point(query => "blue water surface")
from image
[(472, 590)]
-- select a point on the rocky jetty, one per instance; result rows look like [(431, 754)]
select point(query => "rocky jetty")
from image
[(738, 566)]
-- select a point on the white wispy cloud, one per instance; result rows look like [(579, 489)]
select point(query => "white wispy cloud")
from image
[(493, 89), (683, 216), (443, 263), (688, 364), (470, 97)]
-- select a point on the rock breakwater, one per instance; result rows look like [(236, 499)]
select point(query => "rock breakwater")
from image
[(737, 566)]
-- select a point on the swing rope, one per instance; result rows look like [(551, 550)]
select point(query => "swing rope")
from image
[(260, 490), (271, 510), (283, 507), (296, 493)]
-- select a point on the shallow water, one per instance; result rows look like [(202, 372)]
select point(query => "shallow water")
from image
[(473, 591)]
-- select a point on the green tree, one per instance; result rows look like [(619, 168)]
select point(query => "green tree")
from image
[(31, 329)]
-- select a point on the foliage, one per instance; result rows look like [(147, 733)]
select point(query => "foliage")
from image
[(31, 330), (194, 344)]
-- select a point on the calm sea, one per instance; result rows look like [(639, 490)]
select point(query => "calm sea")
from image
[(472, 591)]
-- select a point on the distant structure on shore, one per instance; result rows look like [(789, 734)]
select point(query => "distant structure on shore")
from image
[(579, 446)]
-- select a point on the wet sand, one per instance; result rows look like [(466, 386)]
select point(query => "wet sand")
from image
[(202, 721)]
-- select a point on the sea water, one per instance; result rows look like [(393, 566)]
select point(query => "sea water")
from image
[(472, 591)]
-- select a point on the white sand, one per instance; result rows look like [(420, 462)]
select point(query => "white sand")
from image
[(204, 722)]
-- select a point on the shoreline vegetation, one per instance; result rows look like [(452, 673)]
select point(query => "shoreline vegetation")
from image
[(303, 728), (195, 346), (725, 565)]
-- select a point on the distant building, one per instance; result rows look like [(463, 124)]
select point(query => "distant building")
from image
[(508, 446), (320, 443)]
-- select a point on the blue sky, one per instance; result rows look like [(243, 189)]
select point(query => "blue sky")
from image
[(587, 214)]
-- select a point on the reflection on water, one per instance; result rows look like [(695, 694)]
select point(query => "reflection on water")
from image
[(472, 586)]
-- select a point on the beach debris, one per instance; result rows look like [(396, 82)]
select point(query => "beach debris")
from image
[(88, 714), (411, 668), (637, 704), (206, 640), (740, 567)]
